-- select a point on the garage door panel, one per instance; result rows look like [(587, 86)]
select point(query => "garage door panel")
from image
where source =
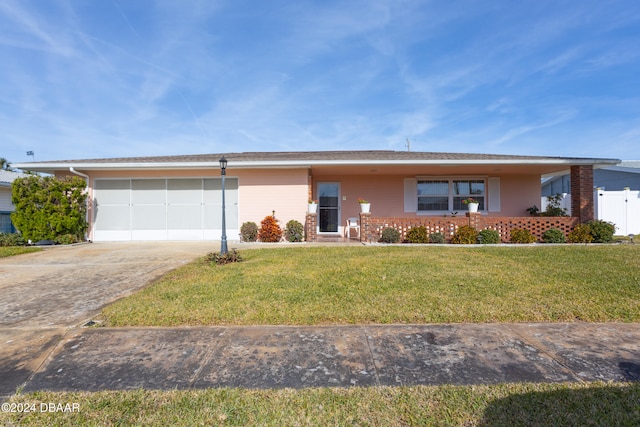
[(148, 191), (149, 217), (213, 190), (184, 217), (213, 216), (113, 217), (112, 191), (184, 191)]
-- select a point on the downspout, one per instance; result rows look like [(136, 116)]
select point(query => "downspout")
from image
[(86, 178)]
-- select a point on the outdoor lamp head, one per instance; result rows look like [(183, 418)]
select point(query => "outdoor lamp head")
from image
[(223, 164)]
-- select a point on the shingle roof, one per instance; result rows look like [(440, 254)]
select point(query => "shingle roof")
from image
[(317, 156)]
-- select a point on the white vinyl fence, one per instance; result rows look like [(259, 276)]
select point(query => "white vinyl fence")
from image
[(619, 207)]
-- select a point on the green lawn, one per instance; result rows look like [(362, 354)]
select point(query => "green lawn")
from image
[(344, 285), (6, 251), (395, 284), (576, 404)]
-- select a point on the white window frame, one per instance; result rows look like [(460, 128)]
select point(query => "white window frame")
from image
[(451, 195)]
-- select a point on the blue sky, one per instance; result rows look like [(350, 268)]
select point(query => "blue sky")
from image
[(118, 78)]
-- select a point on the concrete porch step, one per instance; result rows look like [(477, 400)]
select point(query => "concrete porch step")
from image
[(334, 238)]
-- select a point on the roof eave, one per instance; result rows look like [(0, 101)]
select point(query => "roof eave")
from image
[(56, 166)]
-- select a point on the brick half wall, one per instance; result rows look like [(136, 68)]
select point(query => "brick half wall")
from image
[(371, 227)]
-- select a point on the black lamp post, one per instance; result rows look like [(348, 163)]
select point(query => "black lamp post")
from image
[(223, 243)]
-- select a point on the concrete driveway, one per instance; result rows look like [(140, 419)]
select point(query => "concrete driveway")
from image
[(46, 293)]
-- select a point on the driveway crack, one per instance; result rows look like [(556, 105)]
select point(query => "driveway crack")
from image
[(539, 346), (368, 339), (205, 360)]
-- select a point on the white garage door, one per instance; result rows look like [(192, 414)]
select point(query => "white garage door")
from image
[(164, 209)]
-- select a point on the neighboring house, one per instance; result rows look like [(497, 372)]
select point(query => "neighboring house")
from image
[(617, 198), (609, 178), (179, 197), (6, 207)]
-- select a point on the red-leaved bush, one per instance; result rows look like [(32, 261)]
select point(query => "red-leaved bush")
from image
[(270, 231)]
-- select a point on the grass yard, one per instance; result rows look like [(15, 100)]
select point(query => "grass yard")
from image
[(6, 251), (575, 404), (395, 284)]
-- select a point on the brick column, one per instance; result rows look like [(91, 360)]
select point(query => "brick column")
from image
[(474, 219), (365, 224), (310, 227), (582, 193)]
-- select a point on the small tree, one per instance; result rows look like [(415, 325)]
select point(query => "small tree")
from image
[(49, 207), (270, 230), (5, 165)]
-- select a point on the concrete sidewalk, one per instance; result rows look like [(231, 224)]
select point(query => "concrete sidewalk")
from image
[(94, 359)]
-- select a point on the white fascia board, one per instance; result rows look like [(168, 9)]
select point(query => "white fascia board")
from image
[(52, 166)]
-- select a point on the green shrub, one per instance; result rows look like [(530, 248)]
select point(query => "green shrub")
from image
[(580, 234), (49, 207), (465, 235), (249, 232), (489, 237), (222, 259), (67, 239), (418, 235), (11, 239), (533, 210), (270, 230), (519, 235), (436, 238), (602, 231), (554, 235), (294, 231), (390, 235)]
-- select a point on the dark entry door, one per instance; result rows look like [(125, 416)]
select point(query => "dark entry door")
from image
[(328, 207)]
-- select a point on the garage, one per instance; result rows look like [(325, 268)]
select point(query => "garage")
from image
[(164, 209)]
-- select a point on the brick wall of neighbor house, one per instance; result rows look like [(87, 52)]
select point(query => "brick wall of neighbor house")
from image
[(371, 226), (582, 193)]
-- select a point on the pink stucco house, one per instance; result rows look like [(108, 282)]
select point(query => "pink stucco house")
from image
[(179, 197)]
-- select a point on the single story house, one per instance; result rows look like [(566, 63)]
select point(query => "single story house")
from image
[(6, 206), (179, 197)]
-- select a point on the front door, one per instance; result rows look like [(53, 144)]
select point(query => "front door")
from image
[(328, 207)]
